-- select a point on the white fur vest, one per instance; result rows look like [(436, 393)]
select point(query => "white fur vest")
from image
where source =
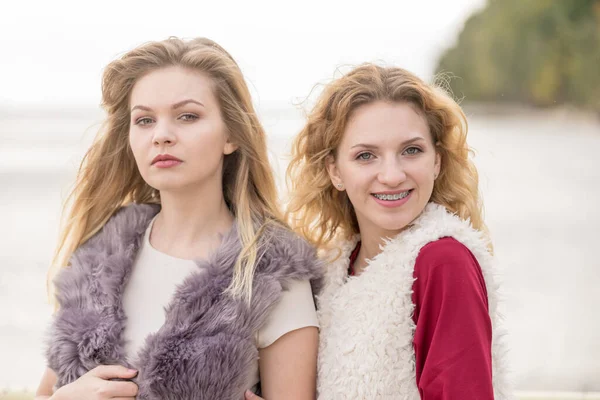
[(366, 342), (206, 348)]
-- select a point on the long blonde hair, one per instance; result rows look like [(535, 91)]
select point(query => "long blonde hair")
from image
[(317, 210), (108, 177)]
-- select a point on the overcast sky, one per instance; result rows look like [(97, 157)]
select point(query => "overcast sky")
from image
[(53, 52)]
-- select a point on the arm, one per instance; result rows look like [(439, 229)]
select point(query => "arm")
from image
[(45, 391), (96, 385), (453, 329), (288, 367), (288, 345)]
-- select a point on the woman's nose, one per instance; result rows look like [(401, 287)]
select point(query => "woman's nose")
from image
[(163, 134), (392, 174)]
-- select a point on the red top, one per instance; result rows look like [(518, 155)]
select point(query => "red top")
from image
[(453, 337)]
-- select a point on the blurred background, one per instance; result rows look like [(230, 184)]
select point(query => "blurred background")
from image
[(526, 72)]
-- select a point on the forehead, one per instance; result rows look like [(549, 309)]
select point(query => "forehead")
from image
[(385, 122), (167, 86)]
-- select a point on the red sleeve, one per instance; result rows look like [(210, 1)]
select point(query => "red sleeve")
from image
[(453, 337)]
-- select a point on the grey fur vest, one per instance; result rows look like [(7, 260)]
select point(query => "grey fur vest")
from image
[(206, 348)]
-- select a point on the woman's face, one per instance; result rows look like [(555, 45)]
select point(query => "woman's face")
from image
[(387, 164), (176, 133)]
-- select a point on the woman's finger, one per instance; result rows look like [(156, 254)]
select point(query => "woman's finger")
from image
[(122, 389), (251, 396)]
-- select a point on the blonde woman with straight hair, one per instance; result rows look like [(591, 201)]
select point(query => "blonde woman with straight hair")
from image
[(382, 184), (178, 278)]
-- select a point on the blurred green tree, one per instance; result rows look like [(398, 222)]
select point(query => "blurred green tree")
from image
[(539, 52)]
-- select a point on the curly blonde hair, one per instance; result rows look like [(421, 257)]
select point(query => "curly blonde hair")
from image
[(109, 178), (317, 210)]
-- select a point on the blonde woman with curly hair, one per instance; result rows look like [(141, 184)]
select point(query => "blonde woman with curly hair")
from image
[(382, 184), (180, 278)]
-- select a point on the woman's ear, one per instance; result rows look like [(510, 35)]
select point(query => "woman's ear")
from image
[(229, 147), (438, 164), (334, 172)]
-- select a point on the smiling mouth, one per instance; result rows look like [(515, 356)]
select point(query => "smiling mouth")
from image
[(392, 197)]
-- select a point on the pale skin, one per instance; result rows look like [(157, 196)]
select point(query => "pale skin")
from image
[(386, 148), (174, 111)]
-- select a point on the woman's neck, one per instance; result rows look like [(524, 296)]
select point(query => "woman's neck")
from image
[(372, 239), (190, 224), (369, 248)]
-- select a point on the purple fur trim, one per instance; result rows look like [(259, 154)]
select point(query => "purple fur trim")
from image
[(205, 349)]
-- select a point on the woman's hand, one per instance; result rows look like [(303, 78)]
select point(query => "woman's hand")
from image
[(97, 385), (251, 396)]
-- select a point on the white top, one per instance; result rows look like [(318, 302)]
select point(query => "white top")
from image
[(154, 279)]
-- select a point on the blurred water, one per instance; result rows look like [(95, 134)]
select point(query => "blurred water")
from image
[(540, 176)]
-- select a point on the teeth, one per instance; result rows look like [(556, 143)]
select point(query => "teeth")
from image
[(391, 197)]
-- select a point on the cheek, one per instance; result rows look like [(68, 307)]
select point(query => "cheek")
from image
[(203, 152), (133, 144), (140, 149), (358, 181), (424, 175), (207, 137), (205, 148), (136, 145)]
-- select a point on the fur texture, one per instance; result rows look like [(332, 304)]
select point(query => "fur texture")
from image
[(205, 349), (366, 342)]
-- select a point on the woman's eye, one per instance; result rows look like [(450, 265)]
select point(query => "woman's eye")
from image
[(411, 151), (143, 121), (188, 117), (364, 156)]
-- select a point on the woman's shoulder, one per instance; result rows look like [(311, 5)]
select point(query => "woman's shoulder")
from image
[(115, 239), (281, 239), (294, 310), (444, 250), (132, 218), (126, 224), (289, 253), (446, 259)]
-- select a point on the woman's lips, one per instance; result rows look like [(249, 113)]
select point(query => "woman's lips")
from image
[(390, 203), (166, 163)]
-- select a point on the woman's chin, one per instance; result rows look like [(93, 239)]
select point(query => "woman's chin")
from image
[(165, 186), (392, 226)]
